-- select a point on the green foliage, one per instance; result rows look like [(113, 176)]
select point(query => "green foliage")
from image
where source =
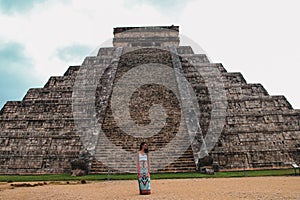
[(102, 177)]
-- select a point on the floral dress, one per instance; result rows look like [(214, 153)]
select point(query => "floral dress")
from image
[(143, 174)]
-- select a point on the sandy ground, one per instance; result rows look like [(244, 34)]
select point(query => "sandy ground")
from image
[(213, 188)]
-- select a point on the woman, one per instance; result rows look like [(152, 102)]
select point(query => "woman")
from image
[(143, 168)]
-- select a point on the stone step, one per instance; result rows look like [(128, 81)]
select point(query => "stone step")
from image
[(193, 66), (182, 158), (106, 52), (274, 116), (184, 50), (194, 58), (250, 89), (203, 68), (258, 104), (72, 71), (229, 79), (184, 163), (182, 167), (48, 93), (261, 127), (97, 60), (178, 165)]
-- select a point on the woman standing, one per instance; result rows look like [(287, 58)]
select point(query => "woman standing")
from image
[(143, 169)]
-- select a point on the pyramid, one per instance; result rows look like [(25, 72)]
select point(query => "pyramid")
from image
[(147, 88)]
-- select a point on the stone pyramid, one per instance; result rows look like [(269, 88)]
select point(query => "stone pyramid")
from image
[(147, 88)]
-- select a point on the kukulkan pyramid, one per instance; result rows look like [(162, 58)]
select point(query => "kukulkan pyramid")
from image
[(200, 111)]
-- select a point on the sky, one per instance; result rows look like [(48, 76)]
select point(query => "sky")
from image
[(42, 38)]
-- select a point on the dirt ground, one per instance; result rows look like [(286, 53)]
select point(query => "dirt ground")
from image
[(212, 188)]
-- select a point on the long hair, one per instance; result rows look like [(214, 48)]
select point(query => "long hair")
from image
[(141, 145)]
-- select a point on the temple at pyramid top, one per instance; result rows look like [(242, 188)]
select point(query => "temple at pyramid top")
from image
[(159, 36)]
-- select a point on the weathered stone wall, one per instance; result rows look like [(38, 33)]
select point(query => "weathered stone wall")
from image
[(260, 130), (146, 37), (37, 134)]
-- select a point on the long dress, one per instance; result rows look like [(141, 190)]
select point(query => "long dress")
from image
[(143, 174)]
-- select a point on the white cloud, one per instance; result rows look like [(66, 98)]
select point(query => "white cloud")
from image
[(50, 26), (258, 38)]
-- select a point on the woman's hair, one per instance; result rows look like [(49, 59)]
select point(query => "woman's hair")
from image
[(141, 145)]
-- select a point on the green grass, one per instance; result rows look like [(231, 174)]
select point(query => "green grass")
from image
[(98, 177)]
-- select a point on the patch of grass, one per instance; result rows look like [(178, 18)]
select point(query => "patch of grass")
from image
[(65, 177), (102, 177), (252, 173)]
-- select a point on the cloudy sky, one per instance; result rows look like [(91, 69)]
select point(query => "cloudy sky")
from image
[(41, 38)]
